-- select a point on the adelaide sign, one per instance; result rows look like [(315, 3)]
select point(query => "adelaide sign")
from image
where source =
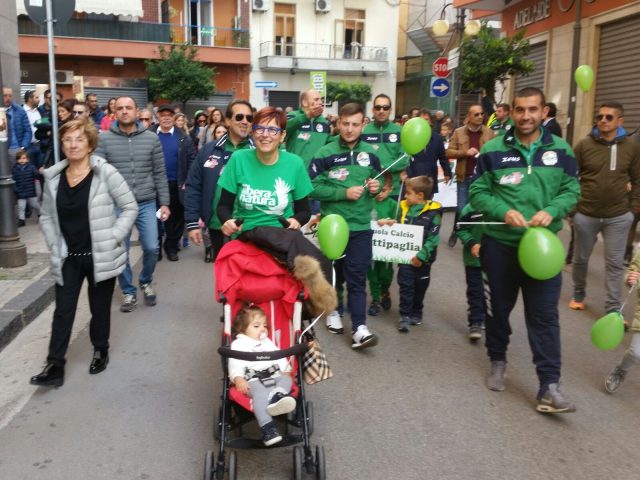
[(531, 14)]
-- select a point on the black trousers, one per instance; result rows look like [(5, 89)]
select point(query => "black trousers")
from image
[(540, 298), (174, 226), (74, 271), (477, 307), (217, 241), (413, 283)]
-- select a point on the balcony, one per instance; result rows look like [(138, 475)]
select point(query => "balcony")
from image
[(198, 35), (345, 59)]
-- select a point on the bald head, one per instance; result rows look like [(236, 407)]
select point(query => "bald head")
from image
[(311, 103)]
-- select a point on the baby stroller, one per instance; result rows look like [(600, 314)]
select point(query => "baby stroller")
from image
[(244, 273)]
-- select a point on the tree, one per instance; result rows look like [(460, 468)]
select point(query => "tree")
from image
[(343, 92), (179, 76), (487, 59)]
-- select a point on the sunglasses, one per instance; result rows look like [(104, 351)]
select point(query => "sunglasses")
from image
[(478, 114), (202, 121), (608, 117), (238, 117), (76, 113), (145, 119), (386, 108)]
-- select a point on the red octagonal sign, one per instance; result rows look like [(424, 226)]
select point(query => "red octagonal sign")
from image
[(441, 67)]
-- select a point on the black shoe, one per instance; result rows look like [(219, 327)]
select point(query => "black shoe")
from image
[(385, 301), (208, 255), (453, 239), (52, 375), (172, 256), (21, 223), (99, 362)]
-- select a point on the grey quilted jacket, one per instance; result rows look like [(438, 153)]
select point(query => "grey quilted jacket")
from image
[(108, 191), (139, 159)]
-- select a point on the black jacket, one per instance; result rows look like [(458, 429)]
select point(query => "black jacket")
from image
[(25, 177), (426, 161)]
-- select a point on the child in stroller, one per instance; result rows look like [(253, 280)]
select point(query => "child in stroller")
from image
[(268, 383)]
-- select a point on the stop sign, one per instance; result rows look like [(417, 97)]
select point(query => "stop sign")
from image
[(441, 67)]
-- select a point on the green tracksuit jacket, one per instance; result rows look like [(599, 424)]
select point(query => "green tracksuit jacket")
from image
[(469, 235), (334, 169), (512, 176), (385, 139), (306, 136)]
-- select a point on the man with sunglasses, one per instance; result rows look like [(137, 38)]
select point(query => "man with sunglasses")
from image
[(464, 146), (608, 161), (201, 193), (307, 129), (525, 178), (79, 111)]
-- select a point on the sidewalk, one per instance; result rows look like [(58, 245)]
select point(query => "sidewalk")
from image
[(25, 291)]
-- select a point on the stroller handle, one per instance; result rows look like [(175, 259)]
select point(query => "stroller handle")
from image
[(296, 350)]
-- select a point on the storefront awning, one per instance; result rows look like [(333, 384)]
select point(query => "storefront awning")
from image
[(110, 7)]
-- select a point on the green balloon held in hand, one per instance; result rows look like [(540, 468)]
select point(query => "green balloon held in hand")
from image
[(608, 332), (584, 77), (415, 135), (333, 236), (540, 253)]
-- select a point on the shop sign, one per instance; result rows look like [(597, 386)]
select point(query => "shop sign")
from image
[(533, 13)]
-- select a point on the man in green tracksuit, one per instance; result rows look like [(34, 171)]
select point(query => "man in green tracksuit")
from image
[(525, 178), (343, 176), (384, 137), (307, 130), (501, 122)]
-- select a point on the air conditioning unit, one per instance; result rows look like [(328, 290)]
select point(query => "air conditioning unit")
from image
[(323, 6), (260, 5), (64, 77)]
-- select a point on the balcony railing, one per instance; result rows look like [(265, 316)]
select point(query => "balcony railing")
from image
[(353, 51), (198, 35)]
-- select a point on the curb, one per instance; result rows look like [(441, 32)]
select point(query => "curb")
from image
[(21, 310)]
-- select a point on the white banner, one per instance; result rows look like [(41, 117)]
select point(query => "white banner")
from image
[(398, 243)]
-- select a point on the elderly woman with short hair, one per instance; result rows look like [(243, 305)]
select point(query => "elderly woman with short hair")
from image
[(86, 240)]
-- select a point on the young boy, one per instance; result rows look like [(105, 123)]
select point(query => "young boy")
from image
[(413, 279), (25, 174), (632, 356), (470, 235), (343, 176), (380, 275)]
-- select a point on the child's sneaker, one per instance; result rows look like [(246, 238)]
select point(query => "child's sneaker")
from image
[(403, 326), (475, 332), (280, 404), (613, 381), (577, 302), (374, 308), (270, 434), (385, 301), (334, 323), (363, 338)]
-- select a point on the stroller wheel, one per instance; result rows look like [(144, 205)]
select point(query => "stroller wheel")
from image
[(321, 472), (208, 466), (233, 466), (297, 463)]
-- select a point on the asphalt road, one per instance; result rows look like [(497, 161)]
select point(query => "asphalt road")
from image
[(414, 407)]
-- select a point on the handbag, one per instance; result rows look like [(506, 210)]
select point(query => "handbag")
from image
[(315, 366)]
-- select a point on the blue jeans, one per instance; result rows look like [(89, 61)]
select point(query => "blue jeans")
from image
[(463, 193), (148, 233)]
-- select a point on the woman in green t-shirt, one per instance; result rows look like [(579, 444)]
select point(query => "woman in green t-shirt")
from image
[(266, 186)]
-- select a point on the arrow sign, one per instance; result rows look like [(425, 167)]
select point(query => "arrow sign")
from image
[(267, 84), (440, 87)]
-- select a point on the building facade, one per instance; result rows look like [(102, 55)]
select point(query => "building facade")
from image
[(607, 42), (350, 40), (102, 49)]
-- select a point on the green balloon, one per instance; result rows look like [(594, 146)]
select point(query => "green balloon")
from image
[(608, 332), (333, 236), (584, 77), (415, 135), (540, 253)]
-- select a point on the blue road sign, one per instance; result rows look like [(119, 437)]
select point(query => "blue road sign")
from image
[(267, 84), (440, 87)]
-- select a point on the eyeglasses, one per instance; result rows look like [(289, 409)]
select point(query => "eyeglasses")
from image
[(145, 119), (608, 117), (70, 140), (477, 114), (76, 112), (241, 116), (386, 108), (271, 131)]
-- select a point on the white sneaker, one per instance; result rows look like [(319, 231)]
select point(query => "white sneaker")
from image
[(363, 338), (334, 323)]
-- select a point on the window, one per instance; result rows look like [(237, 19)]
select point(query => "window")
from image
[(353, 32), (285, 29)]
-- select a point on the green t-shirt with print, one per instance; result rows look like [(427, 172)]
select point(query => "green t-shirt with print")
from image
[(264, 192)]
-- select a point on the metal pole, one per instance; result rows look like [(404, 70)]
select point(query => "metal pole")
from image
[(13, 253), (575, 58), (52, 83), (459, 30)]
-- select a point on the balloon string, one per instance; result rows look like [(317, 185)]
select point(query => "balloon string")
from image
[(628, 294), (481, 223), (383, 171)]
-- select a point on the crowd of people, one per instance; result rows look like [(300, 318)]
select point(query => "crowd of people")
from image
[(225, 174)]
